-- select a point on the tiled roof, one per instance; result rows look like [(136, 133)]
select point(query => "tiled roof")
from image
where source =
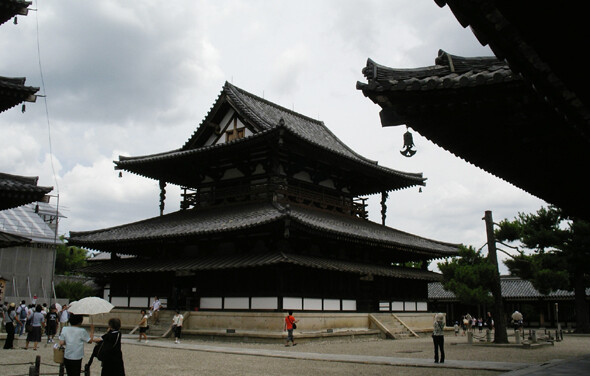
[(512, 288), (13, 92), (267, 117), (450, 72), (18, 190), (11, 8), (9, 240), (200, 222), (471, 106), (25, 222), (142, 265)]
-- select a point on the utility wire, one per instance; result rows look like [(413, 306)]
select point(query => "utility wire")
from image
[(50, 151)]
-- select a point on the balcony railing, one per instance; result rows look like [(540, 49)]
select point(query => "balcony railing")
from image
[(285, 194)]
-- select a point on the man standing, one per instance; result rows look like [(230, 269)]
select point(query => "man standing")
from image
[(289, 326), (22, 313), (64, 317), (156, 310)]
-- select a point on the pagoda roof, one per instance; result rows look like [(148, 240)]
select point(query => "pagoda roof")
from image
[(527, 125), (267, 120), (190, 224), (11, 8), (480, 110), (13, 92), (143, 265), (18, 190)]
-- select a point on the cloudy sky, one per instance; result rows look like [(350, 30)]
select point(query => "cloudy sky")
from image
[(137, 77)]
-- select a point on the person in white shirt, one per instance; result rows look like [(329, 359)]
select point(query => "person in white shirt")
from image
[(177, 325), (155, 310), (74, 337), (64, 317)]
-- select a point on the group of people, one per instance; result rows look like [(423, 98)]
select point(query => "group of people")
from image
[(469, 323), (35, 320), (56, 320)]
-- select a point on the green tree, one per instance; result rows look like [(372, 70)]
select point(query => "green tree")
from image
[(469, 276), (69, 258), (560, 247), (72, 290)]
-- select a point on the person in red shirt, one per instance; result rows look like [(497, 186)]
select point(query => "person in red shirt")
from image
[(289, 326)]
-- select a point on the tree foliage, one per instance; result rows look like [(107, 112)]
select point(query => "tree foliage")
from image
[(73, 290), (560, 249), (69, 258), (469, 276)]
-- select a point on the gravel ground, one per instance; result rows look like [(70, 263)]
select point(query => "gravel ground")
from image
[(142, 359)]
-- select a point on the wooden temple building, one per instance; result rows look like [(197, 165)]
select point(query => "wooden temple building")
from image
[(522, 115), (272, 217)]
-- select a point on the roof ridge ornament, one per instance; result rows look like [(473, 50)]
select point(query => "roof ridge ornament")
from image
[(408, 144)]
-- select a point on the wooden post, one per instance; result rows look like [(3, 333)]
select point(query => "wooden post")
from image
[(500, 334)]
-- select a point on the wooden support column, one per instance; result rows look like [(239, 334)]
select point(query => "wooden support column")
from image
[(384, 196), (162, 196), (500, 334)]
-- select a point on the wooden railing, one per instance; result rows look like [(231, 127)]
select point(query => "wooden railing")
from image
[(280, 192)]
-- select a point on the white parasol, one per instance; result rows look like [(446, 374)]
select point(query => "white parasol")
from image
[(90, 306), (516, 316)]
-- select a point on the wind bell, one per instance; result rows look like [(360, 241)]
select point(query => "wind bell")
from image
[(408, 145)]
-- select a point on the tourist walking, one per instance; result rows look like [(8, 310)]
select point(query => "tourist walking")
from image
[(22, 312), (110, 352), (73, 338), (37, 323), (438, 337), (177, 321), (51, 326), (9, 319), (290, 324), (143, 326)]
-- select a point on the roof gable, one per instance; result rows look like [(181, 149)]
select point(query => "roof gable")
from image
[(260, 115)]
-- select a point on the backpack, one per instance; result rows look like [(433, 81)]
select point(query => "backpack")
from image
[(22, 313)]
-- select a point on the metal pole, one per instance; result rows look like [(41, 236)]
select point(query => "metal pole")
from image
[(54, 250)]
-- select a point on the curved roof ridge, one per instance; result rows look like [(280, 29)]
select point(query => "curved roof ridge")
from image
[(266, 101), (236, 91)]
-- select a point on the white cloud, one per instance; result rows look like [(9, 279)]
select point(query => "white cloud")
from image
[(137, 78)]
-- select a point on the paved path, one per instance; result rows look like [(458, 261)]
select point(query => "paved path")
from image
[(344, 358), (573, 367)]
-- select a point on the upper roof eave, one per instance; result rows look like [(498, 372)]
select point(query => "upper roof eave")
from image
[(194, 222)]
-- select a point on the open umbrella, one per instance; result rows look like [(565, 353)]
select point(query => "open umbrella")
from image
[(90, 306)]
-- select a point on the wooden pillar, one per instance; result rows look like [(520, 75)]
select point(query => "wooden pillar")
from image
[(500, 335), (384, 195), (162, 196)]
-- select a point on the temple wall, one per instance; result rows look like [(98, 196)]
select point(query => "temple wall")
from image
[(27, 271), (262, 321)]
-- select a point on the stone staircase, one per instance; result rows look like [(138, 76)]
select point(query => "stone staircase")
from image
[(160, 329), (391, 326)]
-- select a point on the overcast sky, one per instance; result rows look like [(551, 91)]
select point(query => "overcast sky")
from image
[(137, 77)]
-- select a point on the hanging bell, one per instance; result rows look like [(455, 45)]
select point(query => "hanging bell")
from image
[(408, 145)]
